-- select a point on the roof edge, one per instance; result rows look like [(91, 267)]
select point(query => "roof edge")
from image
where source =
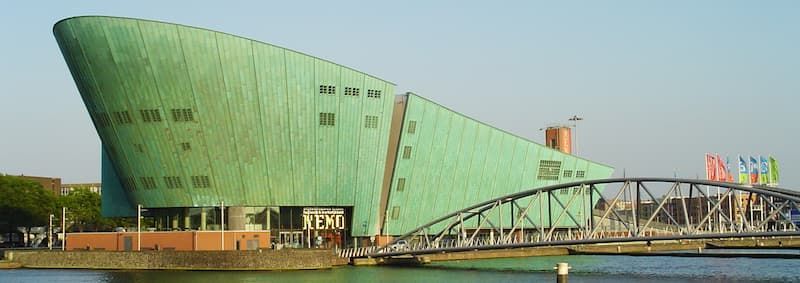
[(220, 32)]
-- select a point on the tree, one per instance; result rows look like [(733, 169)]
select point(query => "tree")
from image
[(83, 212), (23, 204)]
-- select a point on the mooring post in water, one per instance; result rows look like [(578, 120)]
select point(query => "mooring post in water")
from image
[(562, 272)]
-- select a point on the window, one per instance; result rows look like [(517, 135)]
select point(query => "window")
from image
[(351, 91), (201, 182), (327, 89), (327, 119), (406, 152), (139, 147), (173, 182), (103, 119), (564, 191), (395, 212), (186, 146), (129, 183), (371, 122), (373, 93), (412, 127), (122, 117), (401, 184), (580, 174), (150, 115), (567, 173), (548, 170), (148, 182), (182, 115)]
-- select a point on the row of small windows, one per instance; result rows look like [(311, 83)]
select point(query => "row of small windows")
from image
[(327, 119), (327, 89), (185, 146), (171, 182), (348, 91), (373, 93), (148, 183), (549, 170), (201, 182), (148, 116), (351, 91), (122, 117), (575, 191), (182, 115), (371, 122), (578, 174)]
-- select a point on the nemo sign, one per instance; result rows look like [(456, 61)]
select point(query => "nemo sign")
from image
[(323, 218)]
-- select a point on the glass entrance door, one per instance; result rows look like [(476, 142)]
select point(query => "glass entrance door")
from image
[(291, 239)]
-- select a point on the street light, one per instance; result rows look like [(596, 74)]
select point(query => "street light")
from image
[(575, 120)]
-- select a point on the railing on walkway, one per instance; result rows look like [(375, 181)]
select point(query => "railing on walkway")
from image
[(583, 213)]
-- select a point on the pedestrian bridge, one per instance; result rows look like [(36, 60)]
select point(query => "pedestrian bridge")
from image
[(600, 211)]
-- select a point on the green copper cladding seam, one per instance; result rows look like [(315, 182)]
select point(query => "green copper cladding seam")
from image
[(190, 117), (255, 110)]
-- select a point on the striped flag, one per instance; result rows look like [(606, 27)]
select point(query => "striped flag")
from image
[(753, 170), (764, 172), (743, 172)]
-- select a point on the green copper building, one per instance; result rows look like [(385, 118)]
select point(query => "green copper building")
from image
[(193, 121)]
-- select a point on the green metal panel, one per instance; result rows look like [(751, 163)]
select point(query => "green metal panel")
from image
[(255, 130), (457, 161)]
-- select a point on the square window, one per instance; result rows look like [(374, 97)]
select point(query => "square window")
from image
[(371, 122), (406, 152), (395, 212), (412, 127), (327, 119), (186, 146)]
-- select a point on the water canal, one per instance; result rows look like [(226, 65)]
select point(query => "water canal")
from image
[(586, 268)]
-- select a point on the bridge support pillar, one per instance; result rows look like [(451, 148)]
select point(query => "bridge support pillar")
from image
[(562, 272)]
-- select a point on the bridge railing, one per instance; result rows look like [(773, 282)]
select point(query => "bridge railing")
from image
[(622, 209)]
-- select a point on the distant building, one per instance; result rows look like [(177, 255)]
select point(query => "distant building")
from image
[(559, 138), (48, 183), (93, 187)]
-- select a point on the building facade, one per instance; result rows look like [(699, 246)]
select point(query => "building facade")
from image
[(197, 124)]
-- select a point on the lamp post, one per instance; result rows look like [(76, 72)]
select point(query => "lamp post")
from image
[(138, 227), (575, 120), (64, 228), (222, 224), (50, 234)]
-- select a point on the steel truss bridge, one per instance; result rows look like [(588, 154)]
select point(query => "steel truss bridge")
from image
[(603, 211)]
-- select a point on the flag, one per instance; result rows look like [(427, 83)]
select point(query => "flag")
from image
[(774, 176), (729, 178), (764, 172), (743, 172), (711, 168), (722, 170), (753, 170)]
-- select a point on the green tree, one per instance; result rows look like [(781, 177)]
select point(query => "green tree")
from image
[(23, 204), (83, 212)]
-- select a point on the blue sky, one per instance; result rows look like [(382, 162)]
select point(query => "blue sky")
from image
[(659, 83)]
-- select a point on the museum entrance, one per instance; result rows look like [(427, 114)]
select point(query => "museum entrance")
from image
[(314, 227)]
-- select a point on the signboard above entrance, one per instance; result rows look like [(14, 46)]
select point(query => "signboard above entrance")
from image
[(323, 218)]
